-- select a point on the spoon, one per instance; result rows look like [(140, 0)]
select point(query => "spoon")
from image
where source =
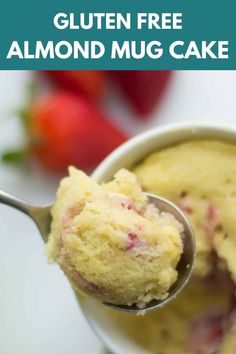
[(42, 218)]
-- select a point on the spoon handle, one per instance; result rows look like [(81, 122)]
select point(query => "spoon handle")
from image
[(40, 215), (14, 202)]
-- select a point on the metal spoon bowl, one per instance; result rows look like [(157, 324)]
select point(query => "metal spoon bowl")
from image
[(42, 218)]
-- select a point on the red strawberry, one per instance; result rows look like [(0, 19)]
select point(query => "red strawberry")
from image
[(88, 82), (69, 130), (66, 129), (143, 89)]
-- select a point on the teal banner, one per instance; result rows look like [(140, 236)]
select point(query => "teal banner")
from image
[(118, 35)]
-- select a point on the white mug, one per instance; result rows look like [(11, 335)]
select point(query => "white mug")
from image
[(127, 156)]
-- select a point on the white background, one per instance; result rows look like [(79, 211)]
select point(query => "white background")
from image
[(38, 312)]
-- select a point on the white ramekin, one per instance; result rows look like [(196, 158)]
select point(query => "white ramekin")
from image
[(127, 156)]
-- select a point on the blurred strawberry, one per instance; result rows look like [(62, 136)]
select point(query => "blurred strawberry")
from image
[(65, 129), (88, 82), (143, 89)]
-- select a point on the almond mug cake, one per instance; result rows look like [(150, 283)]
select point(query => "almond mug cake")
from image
[(111, 242), (199, 176)]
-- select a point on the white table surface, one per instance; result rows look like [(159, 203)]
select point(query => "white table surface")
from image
[(38, 312)]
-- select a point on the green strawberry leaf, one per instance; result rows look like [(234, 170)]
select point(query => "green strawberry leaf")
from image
[(24, 116), (23, 112), (15, 157)]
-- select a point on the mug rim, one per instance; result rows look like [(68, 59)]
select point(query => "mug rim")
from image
[(196, 128)]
